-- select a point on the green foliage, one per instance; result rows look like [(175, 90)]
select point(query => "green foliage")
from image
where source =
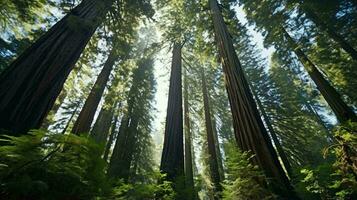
[(244, 180), (41, 165), (337, 180), (132, 191)]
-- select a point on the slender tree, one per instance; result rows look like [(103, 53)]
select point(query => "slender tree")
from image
[(86, 116), (250, 132), (188, 143), (213, 162), (342, 111)]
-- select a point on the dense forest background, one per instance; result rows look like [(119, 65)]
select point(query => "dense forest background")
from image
[(178, 99)]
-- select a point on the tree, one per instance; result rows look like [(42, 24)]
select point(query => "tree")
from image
[(85, 118), (250, 132), (213, 162), (134, 137), (172, 160), (28, 99), (188, 143)]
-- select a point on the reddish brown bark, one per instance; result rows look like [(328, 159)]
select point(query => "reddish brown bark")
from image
[(250, 132), (213, 163), (342, 111), (85, 118), (30, 85), (172, 160)]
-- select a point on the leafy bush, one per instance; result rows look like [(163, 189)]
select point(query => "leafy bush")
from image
[(337, 180), (131, 191), (51, 166), (243, 178)]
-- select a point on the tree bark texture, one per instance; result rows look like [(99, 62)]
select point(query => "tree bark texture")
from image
[(188, 143), (172, 160), (86, 116), (250, 132), (342, 111), (30, 85), (331, 32), (212, 160)]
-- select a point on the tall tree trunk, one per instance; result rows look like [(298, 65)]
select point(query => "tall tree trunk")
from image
[(121, 159), (30, 85), (85, 118), (331, 32), (272, 132), (112, 136), (218, 149), (342, 111), (188, 144), (250, 132), (172, 160), (213, 163)]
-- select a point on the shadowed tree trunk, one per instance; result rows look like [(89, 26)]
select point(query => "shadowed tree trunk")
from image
[(172, 160), (250, 132), (188, 144), (47, 121), (331, 32), (30, 85), (102, 125), (213, 163), (122, 154), (218, 149), (85, 118), (112, 136), (342, 111)]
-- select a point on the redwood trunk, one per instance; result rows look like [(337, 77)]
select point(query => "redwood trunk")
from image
[(172, 160), (30, 85), (85, 118), (342, 111), (213, 163), (331, 32), (250, 132), (188, 144)]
